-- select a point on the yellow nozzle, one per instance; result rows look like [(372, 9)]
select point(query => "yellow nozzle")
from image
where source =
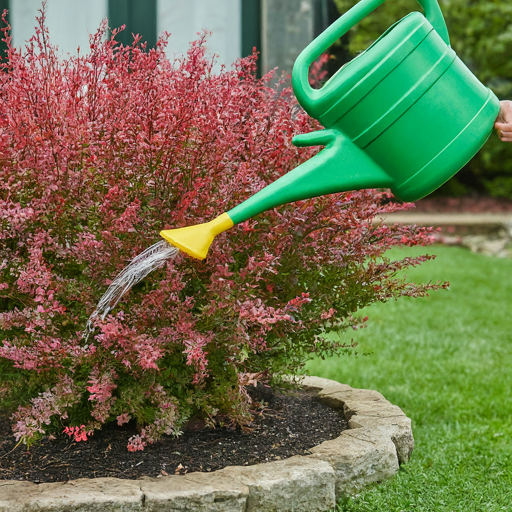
[(196, 240)]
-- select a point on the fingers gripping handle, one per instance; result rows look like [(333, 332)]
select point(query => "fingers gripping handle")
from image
[(300, 76)]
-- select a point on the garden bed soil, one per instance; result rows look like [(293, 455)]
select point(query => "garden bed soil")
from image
[(288, 424)]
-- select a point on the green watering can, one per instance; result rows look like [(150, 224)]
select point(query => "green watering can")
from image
[(405, 114)]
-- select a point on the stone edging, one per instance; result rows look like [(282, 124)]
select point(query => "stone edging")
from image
[(378, 440)]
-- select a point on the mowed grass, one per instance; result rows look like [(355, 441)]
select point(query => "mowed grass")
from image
[(446, 360)]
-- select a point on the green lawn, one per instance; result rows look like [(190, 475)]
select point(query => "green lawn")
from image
[(446, 360)]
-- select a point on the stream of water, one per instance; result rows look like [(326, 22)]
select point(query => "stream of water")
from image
[(152, 258)]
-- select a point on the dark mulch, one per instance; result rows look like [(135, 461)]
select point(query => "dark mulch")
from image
[(289, 425)]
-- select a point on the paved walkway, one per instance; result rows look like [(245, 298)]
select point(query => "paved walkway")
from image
[(468, 222), (487, 233)]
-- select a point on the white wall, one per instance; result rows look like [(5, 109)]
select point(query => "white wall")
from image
[(184, 18), (287, 29), (69, 21)]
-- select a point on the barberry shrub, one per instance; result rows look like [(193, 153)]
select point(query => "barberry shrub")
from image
[(98, 153)]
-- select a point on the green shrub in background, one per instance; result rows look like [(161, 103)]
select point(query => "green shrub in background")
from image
[(481, 34)]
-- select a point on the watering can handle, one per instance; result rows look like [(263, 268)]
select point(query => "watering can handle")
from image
[(300, 76)]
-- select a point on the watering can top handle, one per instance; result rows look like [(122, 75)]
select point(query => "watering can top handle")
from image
[(300, 75)]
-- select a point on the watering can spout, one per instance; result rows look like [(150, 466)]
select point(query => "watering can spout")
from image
[(196, 240), (340, 167)]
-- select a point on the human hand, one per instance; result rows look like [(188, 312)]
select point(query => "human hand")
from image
[(503, 122)]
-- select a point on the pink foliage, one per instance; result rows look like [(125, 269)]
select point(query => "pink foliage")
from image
[(30, 420), (79, 433), (99, 152)]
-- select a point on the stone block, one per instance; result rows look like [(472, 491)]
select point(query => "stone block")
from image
[(197, 492), (378, 409), (298, 484), (359, 457), (398, 428), (326, 386), (336, 398), (83, 495)]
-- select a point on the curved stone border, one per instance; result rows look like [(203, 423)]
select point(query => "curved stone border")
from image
[(378, 440)]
